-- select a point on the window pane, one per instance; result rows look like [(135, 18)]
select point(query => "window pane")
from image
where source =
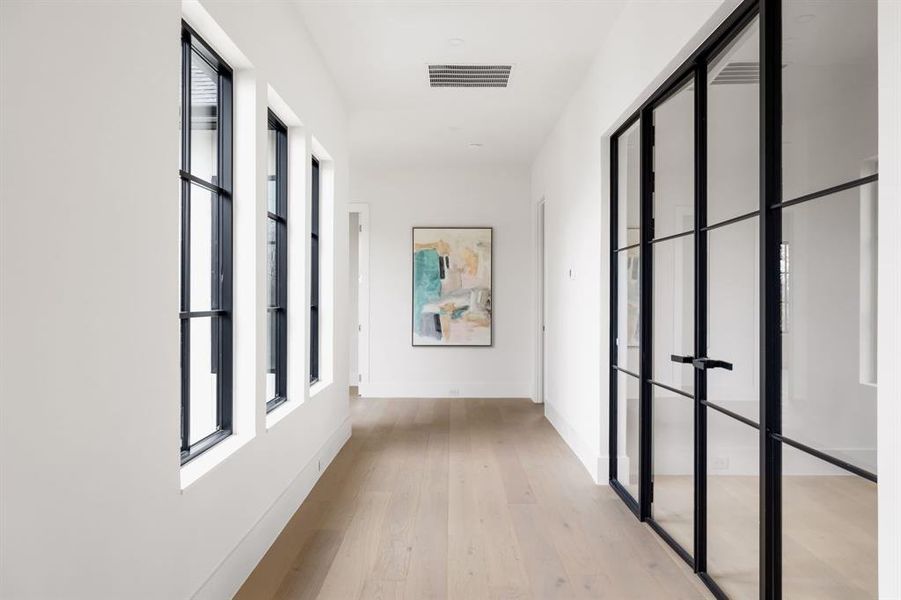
[(314, 211), (204, 119), (203, 255), (733, 313), (627, 432), (628, 293), (829, 548), (733, 506), (314, 272), (674, 182), (829, 337), (271, 263), (272, 141), (829, 90), (673, 504), (314, 344), (203, 378), (674, 311), (628, 179), (271, 354), (733, 137)]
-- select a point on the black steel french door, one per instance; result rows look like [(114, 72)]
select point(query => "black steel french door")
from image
[(713, 259)]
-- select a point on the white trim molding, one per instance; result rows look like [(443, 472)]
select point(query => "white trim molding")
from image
[(404, 389), (236, 567), (594, 463)]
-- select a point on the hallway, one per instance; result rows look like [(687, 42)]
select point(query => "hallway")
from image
[(463, 498)]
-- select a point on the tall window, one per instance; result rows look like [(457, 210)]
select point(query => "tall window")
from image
[(277, 265), (314, 276), (206, 247)]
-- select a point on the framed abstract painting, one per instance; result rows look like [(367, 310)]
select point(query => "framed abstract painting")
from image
[(452, 286)]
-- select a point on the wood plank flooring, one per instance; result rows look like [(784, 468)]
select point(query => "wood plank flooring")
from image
[(463, 498)]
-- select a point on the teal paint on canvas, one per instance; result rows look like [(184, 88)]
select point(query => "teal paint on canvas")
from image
[(426, 282)]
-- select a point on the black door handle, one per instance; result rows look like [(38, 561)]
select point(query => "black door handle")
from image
[(709, 363), (681, 359)]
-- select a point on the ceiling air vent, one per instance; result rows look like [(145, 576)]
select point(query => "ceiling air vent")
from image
[(469, 76), (737, 73)]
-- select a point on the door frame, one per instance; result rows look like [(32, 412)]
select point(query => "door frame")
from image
[(541, 302), (363, 321)]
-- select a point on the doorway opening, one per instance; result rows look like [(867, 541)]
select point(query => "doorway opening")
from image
[(358, 298), (540, 387)]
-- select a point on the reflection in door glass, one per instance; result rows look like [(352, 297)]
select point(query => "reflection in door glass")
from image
[(829, 93), (628, 315), (829, 549), (733, 114), (732, 317), (674, 182), (627, 432), (673, 502), (733, 505), (829, 350), (673, 309), (628, 162)]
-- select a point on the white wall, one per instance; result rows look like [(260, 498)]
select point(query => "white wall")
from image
[(93, 505), (400, 199), (889, 349)]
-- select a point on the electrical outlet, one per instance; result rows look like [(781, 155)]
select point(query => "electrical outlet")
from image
[(719, 463), (320, 465)]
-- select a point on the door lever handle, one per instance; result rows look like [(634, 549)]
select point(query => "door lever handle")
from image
[(709, 363), (681, 359)]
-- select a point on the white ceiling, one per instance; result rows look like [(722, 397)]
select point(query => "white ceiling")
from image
[(378, 53)]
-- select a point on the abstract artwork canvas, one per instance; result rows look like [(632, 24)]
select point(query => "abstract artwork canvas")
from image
[(452, 286)]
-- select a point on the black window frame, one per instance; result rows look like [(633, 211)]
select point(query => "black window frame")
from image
[(220, 190), (769, 210), (315, 260), (278, 364)]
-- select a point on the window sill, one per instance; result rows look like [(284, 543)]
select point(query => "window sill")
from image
[(210, 459), (280, 412), (318, 387)]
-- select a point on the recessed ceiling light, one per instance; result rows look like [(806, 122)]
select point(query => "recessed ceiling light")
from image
[(475, 145), (456, 41), (805, 18)]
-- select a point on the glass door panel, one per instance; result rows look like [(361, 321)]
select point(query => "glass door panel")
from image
[(673, 312), (673, 500), (733, 483), (627, 432), (829, 93), (628, 193), (829, 549), (733, 129), (628, 295), (674, 186), (829, 325), (732, 318)]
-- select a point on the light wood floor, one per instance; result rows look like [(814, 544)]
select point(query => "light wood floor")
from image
[(829, 533), (468, 499)]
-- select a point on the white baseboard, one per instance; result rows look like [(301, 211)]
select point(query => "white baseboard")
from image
[(231, 573), (445, 390), (580, 448)]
